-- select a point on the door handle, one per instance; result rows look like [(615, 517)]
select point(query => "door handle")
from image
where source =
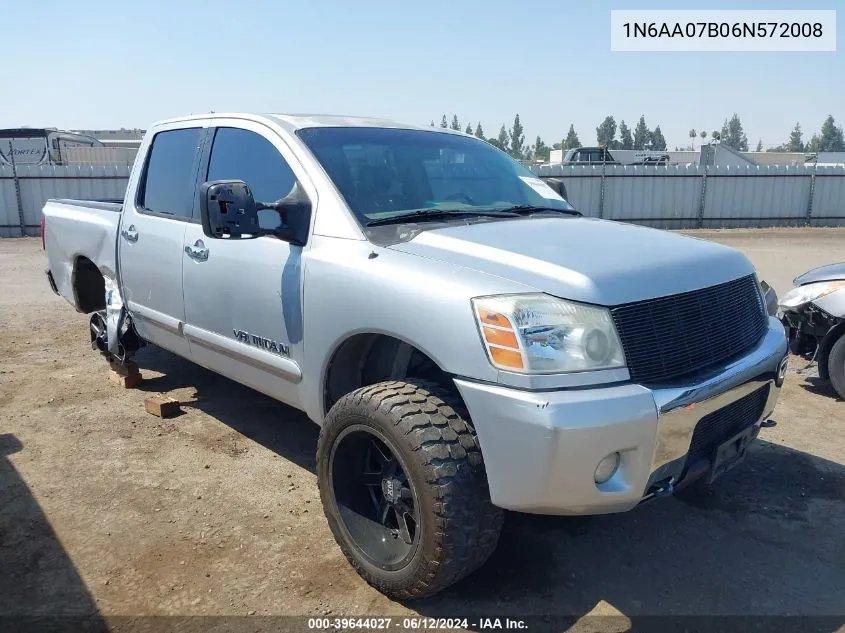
[(197, 252), (130, 234)]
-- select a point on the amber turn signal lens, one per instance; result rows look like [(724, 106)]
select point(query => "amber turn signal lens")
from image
[(493, 318), (505, 338), (506, 357)]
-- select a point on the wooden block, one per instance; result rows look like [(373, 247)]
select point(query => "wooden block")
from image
[(126, 369), (162, 406), (127, 382)]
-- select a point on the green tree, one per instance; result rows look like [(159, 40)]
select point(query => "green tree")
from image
[(642, 135), (517, 137), (527, 152), (469, 129), (703, 135), (733, 134), (455, 123), (443, 122), (657, 141), (432, 123), (606, 132), (813, 144), (716, 135), (502, 141), (759, 145), (541, 150), (571, 141), (831, 139), (479, 133), (693, 134), (625, 139), (795, 142)]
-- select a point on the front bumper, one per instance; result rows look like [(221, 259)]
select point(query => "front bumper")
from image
[(541, 449)]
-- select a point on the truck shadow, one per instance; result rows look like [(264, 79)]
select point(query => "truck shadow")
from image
[(767, 543), (280, 428), (40, 588)]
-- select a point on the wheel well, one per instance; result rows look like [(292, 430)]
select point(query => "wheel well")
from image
[(89, 287), (365, 359), (826, 345)]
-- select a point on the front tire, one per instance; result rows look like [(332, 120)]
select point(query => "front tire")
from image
[(404, 490), (836, 366)]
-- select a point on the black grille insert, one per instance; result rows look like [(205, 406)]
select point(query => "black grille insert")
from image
[(719, 426), (672, 336)]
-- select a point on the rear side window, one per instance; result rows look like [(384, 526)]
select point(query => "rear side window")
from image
[(168, 178)]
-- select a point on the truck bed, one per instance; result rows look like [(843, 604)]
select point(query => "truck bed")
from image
[(77, 229), (114, 205)]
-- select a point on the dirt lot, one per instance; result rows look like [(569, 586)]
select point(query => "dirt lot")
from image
[(107, 511)]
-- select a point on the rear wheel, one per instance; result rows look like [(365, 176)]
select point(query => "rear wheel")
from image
[(836, 366), (404, 490)]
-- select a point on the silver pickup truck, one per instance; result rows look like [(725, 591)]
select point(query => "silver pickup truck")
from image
[(466, 340)]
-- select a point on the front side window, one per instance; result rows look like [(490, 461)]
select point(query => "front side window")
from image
[(383, 171), (168, 185), (244, 155)]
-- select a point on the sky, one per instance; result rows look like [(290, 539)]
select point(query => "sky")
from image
[(97, 64)]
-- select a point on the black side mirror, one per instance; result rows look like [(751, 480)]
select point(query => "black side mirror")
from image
[(228, 210)]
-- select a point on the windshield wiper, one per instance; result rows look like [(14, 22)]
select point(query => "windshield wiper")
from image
[(437, 214), (530, 208)]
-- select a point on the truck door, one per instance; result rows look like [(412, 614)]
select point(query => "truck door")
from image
[(159, 206), (243, 298)]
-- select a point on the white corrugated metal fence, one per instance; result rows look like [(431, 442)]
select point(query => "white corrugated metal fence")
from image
[(22, 198), (671, 197), (680, 197)]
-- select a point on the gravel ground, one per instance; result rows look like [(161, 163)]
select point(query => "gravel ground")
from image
[(107, 511)]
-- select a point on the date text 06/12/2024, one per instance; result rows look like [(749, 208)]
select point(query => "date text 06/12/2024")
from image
[(415, 623)]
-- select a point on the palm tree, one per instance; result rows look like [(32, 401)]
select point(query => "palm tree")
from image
[(692, 135), (703, 136)]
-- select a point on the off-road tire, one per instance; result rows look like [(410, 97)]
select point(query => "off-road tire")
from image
[(432, 433), (836, 366)]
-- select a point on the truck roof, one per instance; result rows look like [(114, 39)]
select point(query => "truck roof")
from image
[(300, 121)]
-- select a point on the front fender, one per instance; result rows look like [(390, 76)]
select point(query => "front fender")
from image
[(353, 287)]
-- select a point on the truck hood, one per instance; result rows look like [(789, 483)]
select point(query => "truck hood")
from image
[(584, 259), (831, 272)]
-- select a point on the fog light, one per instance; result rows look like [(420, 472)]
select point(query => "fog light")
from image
[(607, 468)]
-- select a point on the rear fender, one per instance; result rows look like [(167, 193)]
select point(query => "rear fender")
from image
[(115, 313)]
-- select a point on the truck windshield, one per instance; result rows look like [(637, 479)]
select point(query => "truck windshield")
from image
[(382, 172)]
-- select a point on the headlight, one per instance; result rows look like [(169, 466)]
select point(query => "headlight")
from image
[(539, 334), (811, 292)]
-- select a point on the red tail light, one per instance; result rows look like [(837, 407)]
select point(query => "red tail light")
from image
[(43, 222)]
